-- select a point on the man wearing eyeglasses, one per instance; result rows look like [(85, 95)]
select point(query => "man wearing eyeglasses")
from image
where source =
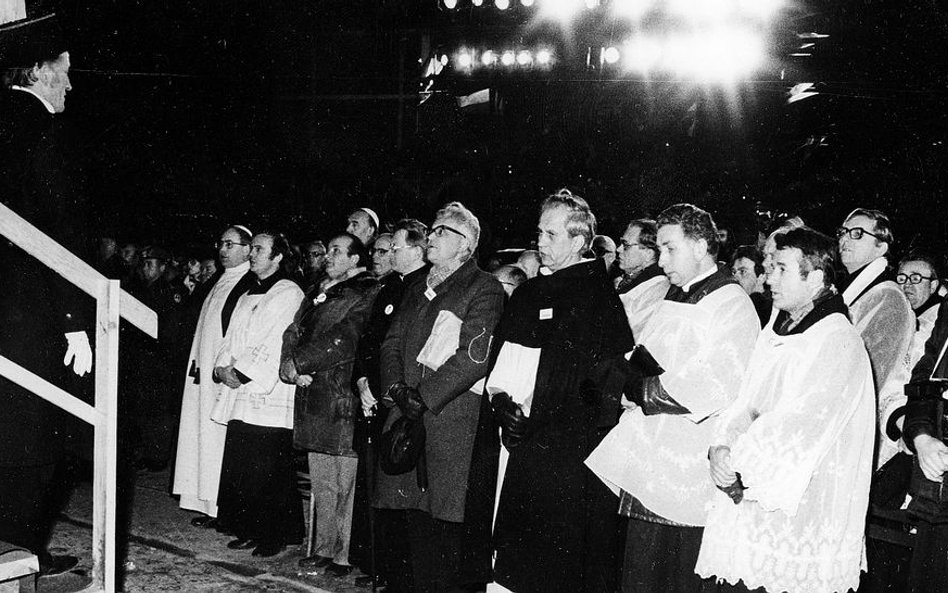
[(919, 278), (643, 284), (878, 309), (409, 267), (201, 441), (382, 255)]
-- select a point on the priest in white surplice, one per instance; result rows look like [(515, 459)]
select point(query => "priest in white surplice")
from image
[(793, 454), (201, 441)]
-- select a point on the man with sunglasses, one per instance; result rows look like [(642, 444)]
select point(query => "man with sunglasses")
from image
[(878, 309)]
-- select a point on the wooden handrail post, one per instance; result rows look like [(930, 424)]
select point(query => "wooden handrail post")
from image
[(104, 492)]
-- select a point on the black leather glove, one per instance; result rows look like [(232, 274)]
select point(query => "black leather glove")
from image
[(735, 490), (408, 400), (643, 361), (509, 415)]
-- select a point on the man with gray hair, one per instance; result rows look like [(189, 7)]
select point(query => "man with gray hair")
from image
[(556, 376), (433, 361)]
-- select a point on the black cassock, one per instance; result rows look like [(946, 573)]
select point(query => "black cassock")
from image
[(556, 526)]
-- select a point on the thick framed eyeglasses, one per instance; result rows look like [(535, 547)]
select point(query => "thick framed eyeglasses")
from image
[(913, 278), (626, 245), (439, 231), (854, 233), (380, 251), (228, 244)]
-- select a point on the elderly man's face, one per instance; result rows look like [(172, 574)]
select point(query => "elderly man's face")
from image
[(447, 242), (53, 81), (315, 258), (360, 225), (382, 255), (917, 294), (557, 248)]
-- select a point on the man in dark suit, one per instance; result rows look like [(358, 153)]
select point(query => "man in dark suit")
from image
[(41, 314)]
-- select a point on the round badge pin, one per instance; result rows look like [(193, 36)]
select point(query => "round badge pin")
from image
[(389, 309), (319, 299)]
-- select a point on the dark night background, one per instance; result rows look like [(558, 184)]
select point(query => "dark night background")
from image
[(287, 114)]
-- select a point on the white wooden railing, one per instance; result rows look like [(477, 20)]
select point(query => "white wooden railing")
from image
[(111, 302)]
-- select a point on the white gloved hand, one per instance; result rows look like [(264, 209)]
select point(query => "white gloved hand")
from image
[(365, 394), (79, 353)]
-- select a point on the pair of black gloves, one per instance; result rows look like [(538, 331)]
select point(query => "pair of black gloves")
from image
[(407, 399)]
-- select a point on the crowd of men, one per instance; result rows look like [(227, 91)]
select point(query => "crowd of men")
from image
[(660, 420), (645, 415)]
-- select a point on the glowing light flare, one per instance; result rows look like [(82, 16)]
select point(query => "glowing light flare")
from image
[(450, 4), (544, 57), (642, 55), (524, 58), (477, 2), (488, 58), (508, 58), (592, 4), (561, 10), (526, 3), (631, 9), (722, 10), (610, 55), (722, 55), (502, 4), (464, 59)]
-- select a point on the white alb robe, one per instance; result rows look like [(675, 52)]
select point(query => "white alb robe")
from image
[(253, 345), (640, 302), (885, 320), (801, 436), (662, 459), (201, 441)]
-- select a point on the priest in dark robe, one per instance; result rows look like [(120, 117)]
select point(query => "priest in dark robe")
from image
[(556, 377)]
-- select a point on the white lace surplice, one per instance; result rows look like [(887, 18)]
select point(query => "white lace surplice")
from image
[(801, 436), (663, 460), (253, 344)]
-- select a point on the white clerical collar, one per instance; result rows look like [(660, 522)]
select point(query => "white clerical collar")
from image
[(26, 89), (864, 279), (699, 278), (239, 270)]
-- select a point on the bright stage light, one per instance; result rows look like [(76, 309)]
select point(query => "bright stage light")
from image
[(526, 3), (444, 59), (723, 55), (477, 2), (450, 4), (502, 4), (464, 59), (488, 58), (562, 10), (544, 57), (508, 58), (524, 58), (642, 55), (610, 55), (631, 9)]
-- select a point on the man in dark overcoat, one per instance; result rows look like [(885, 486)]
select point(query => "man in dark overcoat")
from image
[(42, 316), (433, 359), (557, 374)]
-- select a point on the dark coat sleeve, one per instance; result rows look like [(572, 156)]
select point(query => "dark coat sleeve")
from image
[(920, 414), (338, 343)]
